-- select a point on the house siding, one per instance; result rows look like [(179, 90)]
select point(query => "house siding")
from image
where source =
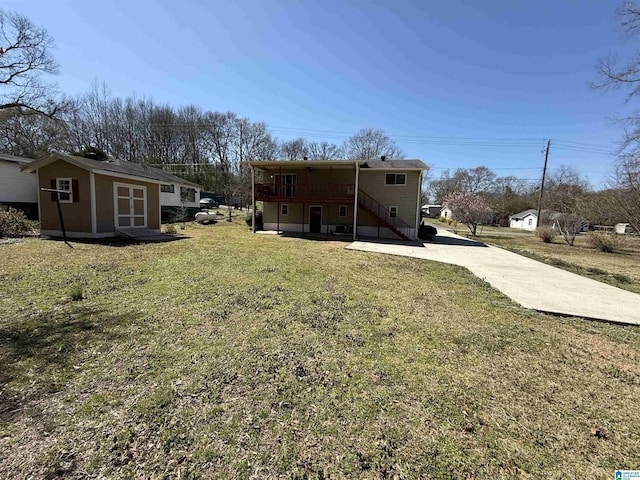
[(16, 186), (77, 216), (404, 197)]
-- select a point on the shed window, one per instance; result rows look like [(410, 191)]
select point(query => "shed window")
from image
[(187, 194), (393, 212), (284, 209), (395, 179), (64, 184), (167, 188), (342, 212), (531, 221)]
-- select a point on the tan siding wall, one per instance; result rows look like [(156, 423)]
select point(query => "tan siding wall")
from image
[(404, 197), (77, 216), (104, 204), (330, 214)]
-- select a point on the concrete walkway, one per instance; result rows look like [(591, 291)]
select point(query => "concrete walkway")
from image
[(532, 284)]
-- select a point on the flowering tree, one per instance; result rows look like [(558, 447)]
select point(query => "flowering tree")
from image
[(468, 208)]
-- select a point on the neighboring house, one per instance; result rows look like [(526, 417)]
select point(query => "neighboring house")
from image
[(17, 188), (445, 212), (623, 228), (106, 197), (177, 194), (376, 198), (528, 220), (431, 211)]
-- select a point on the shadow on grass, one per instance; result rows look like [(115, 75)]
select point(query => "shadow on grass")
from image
[(119, 241), (43, 351)]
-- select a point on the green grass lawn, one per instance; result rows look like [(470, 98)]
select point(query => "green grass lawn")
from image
[(232, 355)]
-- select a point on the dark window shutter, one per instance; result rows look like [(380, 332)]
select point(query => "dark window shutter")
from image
[(75, 191), (53, 186)]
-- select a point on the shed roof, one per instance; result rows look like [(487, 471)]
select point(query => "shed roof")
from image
[(114, 166), (15, 159)]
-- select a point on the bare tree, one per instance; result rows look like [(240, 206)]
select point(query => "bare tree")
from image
[(25, 61), (294, 149), (370, 144), (564, 193), (324, 151), (614, 74)]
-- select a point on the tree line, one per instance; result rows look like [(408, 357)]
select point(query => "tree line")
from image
[(209, 147)]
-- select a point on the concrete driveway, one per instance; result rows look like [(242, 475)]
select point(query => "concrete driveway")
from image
[(532, 284)]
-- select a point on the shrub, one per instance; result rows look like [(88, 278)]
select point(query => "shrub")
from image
[(442, 219), (545, 233), (427, 232), (449, 221), (605, 242), (76, 293), (259, 221), (170, 229), (13, 223)]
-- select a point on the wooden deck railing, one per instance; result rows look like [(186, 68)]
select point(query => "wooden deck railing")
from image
[(301, 191)]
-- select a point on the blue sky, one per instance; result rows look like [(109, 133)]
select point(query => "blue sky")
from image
[(428, 73)]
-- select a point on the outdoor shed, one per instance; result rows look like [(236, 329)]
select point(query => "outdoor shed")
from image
[(106, 197)]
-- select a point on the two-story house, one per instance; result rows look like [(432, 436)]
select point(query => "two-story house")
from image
[(375, 198)]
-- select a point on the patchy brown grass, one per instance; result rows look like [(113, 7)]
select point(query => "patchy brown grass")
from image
[(231, 355)]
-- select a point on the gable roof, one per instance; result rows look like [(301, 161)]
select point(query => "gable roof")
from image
[(114, 166), (531, 211), (15, 159)]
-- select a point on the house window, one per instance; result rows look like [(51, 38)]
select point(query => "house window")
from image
[(395, 179), (187, 194), (342, 211), (64, 184), (530, 221), (393, 212), (284, 209), (167, 188)]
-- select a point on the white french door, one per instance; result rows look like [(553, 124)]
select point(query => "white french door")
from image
[(130, 205)]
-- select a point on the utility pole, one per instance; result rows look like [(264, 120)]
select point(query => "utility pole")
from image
[(544, 174)]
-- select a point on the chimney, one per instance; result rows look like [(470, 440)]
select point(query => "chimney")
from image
[(383, 158), (305, 158)]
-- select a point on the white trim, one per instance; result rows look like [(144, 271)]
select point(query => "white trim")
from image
[(282, 214), (345, 211), (58, 187), (309, 224), (92, 193), (132, 216), (418, 206), (395, 184), (355, 202), (396, 208), (159, 209)]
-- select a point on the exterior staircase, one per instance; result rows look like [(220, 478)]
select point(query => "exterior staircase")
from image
[(395, 224)]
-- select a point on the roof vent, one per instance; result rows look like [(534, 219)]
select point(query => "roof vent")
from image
[(383, 158), (92, 156)]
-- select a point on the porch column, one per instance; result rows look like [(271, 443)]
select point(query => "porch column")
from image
[(253, 199), (355, 202)]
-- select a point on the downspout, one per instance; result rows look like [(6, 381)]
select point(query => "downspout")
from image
[(355, 203), (253, 199), (418, 209)]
